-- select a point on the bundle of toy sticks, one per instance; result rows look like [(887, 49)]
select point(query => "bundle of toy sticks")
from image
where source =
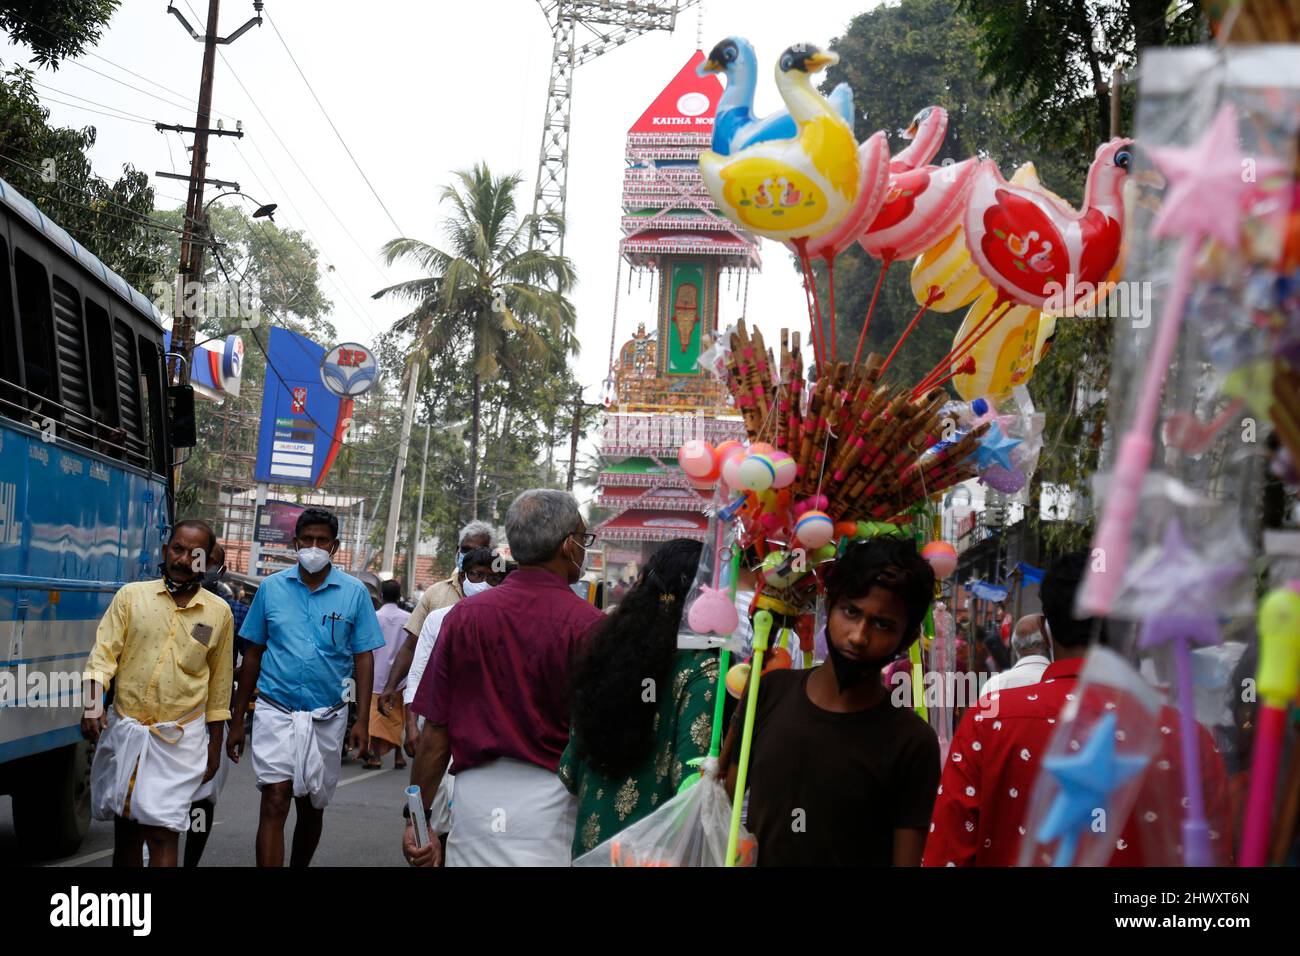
[(872, 449)]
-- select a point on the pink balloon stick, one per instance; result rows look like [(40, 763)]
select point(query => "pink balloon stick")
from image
[(1270, 735), (1111, 542)]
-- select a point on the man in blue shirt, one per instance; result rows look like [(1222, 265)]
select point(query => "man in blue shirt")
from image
[(310, 633)]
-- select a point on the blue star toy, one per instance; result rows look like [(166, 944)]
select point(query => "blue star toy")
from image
[(995, 449), (1087, 778)]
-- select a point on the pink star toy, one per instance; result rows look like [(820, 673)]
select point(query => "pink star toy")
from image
[(1210, 184)]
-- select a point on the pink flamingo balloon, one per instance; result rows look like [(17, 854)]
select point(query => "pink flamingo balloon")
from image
[(922, 205)]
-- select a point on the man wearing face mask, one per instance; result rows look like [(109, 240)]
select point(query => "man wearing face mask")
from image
[(495, 698), (310, 636), (439, 595), (166, 644), (839, 775), (204, 803)]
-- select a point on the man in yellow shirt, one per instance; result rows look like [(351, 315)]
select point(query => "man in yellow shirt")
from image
[(167, 644)]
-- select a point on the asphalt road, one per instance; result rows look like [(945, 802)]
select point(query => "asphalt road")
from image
[(363, 825)]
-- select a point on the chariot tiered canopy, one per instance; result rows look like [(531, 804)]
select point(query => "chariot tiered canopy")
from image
[(657, 394)]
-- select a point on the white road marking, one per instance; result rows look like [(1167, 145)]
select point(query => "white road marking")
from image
[(366, 775), (82, 860)]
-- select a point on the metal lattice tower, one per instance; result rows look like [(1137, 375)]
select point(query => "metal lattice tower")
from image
[(583, 30)]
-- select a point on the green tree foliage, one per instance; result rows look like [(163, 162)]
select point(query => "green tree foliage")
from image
[(51, 166), (55, 30), (1056, 58), (500, 309)]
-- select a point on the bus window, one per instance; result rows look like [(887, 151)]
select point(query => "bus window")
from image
[(38, 343), (151, 406), (128, 385), (103, 377), (11, 379), (74, 382)]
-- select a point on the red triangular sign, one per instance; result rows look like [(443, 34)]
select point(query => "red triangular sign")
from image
[(686, 105)]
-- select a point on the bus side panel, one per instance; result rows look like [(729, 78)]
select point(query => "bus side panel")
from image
[(75, 509)]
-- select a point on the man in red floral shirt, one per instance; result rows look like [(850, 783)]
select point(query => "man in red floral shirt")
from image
[(984, 794)]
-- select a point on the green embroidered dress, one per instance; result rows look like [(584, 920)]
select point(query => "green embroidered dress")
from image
[(682, 724)]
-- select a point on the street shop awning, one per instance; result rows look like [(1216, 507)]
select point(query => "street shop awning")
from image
[(986, 591)]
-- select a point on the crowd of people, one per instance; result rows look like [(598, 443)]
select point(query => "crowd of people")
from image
[(561, 725)]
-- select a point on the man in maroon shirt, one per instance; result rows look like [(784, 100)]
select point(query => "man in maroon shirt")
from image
[(495, 698), (984, 794)]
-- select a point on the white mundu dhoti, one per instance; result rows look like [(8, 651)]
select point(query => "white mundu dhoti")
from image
[(305, 746), (148, 773), (212, 789), (511, 813)]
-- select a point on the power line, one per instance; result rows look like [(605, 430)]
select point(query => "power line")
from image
[(142, 219), (132, 86), (284, 192), (294, 61), (270, 126), (76, 106)]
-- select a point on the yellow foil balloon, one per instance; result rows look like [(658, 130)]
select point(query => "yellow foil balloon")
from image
[(1005, 354)]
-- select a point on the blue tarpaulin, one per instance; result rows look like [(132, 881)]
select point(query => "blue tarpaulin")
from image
[(987, 592), (1030, 574)]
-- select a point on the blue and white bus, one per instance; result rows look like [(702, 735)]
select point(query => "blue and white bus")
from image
[(85, 499)]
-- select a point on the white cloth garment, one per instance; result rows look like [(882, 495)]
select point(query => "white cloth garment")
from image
[(511, 813), (212, 789), (305, 746), (424, 651), (1028, 670), (441, 806), (168, 761)]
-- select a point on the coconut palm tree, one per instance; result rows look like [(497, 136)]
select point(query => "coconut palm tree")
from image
[(485, 286)]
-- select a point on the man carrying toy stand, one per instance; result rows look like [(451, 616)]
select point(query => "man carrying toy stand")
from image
[(838, 774)]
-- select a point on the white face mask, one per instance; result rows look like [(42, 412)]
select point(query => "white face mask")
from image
[(586, 557), (475, 587), (313, 559)]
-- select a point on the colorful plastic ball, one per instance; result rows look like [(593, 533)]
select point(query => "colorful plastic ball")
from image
[(782, 579), (778, 659), (942, 557), (786, 469), (698, 459), (761, 448), (731, 472), (728, 448), (737, 678), (814, 529), (757, 472)]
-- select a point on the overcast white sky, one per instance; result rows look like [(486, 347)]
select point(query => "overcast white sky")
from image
[(416, 88)]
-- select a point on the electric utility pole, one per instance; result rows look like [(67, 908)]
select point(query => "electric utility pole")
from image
[(194, 240)]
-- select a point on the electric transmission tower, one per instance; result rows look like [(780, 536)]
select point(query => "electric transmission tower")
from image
[(583, 30)]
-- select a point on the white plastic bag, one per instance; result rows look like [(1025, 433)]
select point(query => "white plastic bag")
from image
[(689, 830)]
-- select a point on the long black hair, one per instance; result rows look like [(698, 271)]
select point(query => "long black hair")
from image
[(613, 717)]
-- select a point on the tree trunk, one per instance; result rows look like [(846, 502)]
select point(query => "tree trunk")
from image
[(475, 411)]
